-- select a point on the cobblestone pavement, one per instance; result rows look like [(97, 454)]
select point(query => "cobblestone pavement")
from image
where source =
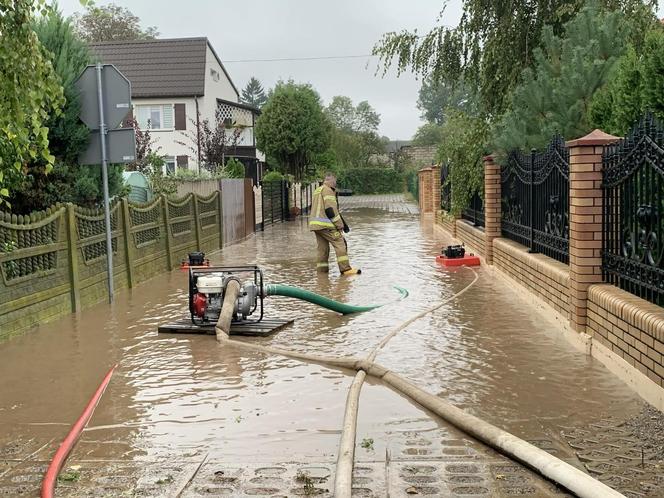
[(394, 203), (434, 462)]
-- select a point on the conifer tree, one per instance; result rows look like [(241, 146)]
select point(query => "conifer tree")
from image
[(556, 94), (253, 94)]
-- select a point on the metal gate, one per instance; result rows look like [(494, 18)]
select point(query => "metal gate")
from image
[(633, 212), (275, 201)]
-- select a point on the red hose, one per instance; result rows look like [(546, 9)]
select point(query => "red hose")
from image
[(54, 468)]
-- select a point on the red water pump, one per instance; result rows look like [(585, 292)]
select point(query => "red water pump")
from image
[(207, 288)]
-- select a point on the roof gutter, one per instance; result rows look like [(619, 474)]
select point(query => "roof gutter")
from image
[(198, 133)]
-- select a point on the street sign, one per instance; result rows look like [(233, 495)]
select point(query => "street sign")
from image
[(120, 147), (105, 101), (117, 96)]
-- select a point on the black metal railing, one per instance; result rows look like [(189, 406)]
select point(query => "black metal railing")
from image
[(275, 201), (445, 189), (633, 212), (535, 199), (475, 211)]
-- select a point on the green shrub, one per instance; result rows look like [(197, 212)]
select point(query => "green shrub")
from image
[(413, 183), (273, 176), (371, 180), (234, 169)]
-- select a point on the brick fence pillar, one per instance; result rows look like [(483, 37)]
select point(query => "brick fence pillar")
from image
[(435, 190), (492, 206), (425, 191), (585, 221)]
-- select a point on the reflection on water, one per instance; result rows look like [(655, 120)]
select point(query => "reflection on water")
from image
[(487, 351)]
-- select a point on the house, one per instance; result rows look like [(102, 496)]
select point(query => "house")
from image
[(175, 85)]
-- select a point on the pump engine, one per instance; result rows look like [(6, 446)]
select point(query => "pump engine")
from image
[(207, 287)]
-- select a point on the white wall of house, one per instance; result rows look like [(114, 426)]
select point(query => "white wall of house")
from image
[(165, 137), (217, 86)]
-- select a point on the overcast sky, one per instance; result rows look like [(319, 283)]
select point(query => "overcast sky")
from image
[(269, 29)]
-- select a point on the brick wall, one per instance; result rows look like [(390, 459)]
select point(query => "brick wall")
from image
[(472, 237), (630, 327), (448, 222), (543, 276), (423, 154)]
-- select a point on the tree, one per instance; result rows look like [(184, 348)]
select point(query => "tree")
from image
[(211, 143), (555, 96), (253, 94), (493, 42), (635, 87), (67, 136), (653, 72), (428, 134), (29, 92), (462, 148), (434, 99), (293, 128), (354, 132), (111, 22), (345, 116)]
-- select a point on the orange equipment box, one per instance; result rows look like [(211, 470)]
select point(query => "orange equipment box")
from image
[(467, 260)]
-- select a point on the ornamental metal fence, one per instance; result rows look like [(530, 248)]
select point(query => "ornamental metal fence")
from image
[(633, 211), (275, 201), (474, 213), (535, 199), (445, 188)]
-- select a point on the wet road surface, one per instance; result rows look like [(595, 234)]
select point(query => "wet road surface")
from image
[(183, 409)]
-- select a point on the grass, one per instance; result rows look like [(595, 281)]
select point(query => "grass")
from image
[(308, 483), (70, 475), (166, 480), (367, 443)]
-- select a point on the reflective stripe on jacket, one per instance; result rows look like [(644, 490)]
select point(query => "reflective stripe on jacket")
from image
[(324, 198)]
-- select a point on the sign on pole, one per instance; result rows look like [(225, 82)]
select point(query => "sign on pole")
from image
[(117, 96), (105, 101), (120, 147)]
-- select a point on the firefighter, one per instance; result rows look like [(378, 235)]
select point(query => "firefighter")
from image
[(327, 224)]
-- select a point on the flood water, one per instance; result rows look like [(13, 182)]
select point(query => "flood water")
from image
[(489, 352)]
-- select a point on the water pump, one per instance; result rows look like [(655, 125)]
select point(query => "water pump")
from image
[(207, 286)]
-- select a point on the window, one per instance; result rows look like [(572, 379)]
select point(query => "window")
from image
[(169, 165), (214, 74), (154, 117)]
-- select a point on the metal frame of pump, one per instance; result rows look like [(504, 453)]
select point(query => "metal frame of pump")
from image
[(207, 287)]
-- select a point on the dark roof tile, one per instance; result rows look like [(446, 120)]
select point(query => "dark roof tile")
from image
[(159, 68)]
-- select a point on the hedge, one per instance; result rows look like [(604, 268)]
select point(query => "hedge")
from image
[(371, 180)]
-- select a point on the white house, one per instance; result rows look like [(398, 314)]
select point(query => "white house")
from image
[(176, 84)]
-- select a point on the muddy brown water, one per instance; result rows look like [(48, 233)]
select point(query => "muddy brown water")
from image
[(489, 352)]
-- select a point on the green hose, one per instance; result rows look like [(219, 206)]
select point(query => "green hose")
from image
[(325, 302)]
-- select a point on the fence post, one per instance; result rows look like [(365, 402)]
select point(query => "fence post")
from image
[(197, 220), (435, 190), (531, 202), (585, 221), (220, 207), (72, 236), (128, 246), (167, 238), (425, 190), (492, 206)]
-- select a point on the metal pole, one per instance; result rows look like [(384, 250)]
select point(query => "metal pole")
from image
[(532, 207), (104, 174)]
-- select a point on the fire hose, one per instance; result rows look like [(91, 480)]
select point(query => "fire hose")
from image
[(54, 468), (547, 465)]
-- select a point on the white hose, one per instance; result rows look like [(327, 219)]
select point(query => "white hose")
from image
[(560, 472), (343, 481)]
